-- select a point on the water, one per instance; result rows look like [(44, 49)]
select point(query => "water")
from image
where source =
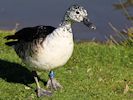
[(50, 12)]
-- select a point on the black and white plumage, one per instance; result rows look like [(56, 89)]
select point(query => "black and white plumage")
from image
[(27, 39), (46, 47)]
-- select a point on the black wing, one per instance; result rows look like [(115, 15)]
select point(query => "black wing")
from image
[(29, 34)]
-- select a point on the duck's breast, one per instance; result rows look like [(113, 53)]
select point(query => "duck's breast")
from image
[(55, 51)]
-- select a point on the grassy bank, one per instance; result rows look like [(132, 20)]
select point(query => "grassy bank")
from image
[(94, 72)]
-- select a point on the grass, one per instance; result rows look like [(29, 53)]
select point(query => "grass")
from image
[(94, 72)]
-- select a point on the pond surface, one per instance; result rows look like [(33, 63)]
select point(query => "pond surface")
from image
[(50, 12)]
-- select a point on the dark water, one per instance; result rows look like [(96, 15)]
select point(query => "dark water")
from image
[(50, 12)]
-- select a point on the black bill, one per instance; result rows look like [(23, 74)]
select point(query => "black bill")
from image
[(89, 24)]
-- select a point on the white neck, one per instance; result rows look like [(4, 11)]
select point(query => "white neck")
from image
[(67, 25)]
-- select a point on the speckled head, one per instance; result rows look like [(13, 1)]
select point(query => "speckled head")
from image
[(77, 13)]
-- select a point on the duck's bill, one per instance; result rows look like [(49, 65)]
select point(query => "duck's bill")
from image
[(89, 24)]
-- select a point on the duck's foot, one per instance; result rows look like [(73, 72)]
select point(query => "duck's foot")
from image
[(41, 92), (53, 84)]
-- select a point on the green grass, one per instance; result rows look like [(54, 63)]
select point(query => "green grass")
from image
[(94, 72)]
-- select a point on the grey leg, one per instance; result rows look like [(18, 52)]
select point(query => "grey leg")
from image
[(52, 83), (40, 91)]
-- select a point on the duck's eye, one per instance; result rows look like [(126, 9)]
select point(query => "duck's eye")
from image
[(77, 12)]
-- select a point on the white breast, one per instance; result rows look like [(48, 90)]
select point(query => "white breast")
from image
[(56, 51)]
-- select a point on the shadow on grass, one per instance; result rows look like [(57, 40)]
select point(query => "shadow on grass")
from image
[(16, 73)]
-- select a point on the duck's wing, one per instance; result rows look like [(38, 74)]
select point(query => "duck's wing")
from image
[(29, 34)]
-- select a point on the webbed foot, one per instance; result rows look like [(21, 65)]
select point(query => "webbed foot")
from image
[(41, 92), (52, 83)]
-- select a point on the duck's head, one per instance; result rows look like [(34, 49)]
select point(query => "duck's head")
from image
[(77, 13)]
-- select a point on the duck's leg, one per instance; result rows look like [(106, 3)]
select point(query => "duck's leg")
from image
[(52, 83), (40, 91)]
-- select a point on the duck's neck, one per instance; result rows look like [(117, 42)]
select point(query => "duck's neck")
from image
[(67, 24)]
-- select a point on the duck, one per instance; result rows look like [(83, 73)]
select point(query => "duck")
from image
[(45, 47)]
